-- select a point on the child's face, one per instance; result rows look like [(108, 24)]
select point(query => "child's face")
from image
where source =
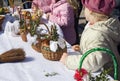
[(87, 13)]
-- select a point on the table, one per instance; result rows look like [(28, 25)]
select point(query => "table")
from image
[(35, 67)]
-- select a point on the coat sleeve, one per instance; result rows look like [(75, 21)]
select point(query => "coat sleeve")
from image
[(63, 16), (93, 61), (45, 9)]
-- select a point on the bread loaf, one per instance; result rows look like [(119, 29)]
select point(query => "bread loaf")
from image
[(13, 55)]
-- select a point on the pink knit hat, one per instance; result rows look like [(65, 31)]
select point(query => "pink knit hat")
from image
[(100, 6)]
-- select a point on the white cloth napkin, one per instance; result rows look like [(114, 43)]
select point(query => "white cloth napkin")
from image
[(31, 39), (12, 28), (54, 44)]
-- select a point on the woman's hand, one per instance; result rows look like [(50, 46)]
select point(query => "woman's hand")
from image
[(76, 47), (63, 58)]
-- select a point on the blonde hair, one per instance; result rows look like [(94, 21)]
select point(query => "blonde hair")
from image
[(99, 16)]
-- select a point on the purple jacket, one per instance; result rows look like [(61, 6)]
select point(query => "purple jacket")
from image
[(63, 14), (44, 5)]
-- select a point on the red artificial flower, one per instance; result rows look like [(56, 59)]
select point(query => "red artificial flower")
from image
[(79, 74)]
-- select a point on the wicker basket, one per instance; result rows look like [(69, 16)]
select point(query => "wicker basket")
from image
[(24, 27), (28, 24), (50, 55), (107, 51), (23, 35), (45, 48), (1, 21), (37, 46)]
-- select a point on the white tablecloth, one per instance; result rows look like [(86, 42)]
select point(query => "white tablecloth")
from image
[(33, 68)]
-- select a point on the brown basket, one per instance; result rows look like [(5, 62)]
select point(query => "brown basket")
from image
[(25, 27), (37, 46), (1, 21), (47, 53), (24, 36), (28, 25)]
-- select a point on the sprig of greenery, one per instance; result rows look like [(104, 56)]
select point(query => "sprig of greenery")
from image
[(22, 21), (51, 74), (34, 24), (54, 34), (103, 76)]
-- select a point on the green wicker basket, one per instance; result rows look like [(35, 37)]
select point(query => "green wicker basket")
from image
[(107, 52)]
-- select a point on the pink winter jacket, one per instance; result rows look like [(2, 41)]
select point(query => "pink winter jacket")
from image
[(44, 5), (63, 14)]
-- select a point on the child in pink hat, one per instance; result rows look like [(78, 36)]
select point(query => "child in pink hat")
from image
[(102, 31)]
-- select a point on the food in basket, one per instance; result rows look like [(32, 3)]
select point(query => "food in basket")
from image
[(23, 29), (53, 46), (13, 55), (37, 14), (28, 24), (24, 24)]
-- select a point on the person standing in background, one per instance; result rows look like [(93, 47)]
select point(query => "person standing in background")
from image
[(77, 6), (63, 14)]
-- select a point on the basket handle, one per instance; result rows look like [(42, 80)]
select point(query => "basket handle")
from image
[(46, 27), (104, 50)]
